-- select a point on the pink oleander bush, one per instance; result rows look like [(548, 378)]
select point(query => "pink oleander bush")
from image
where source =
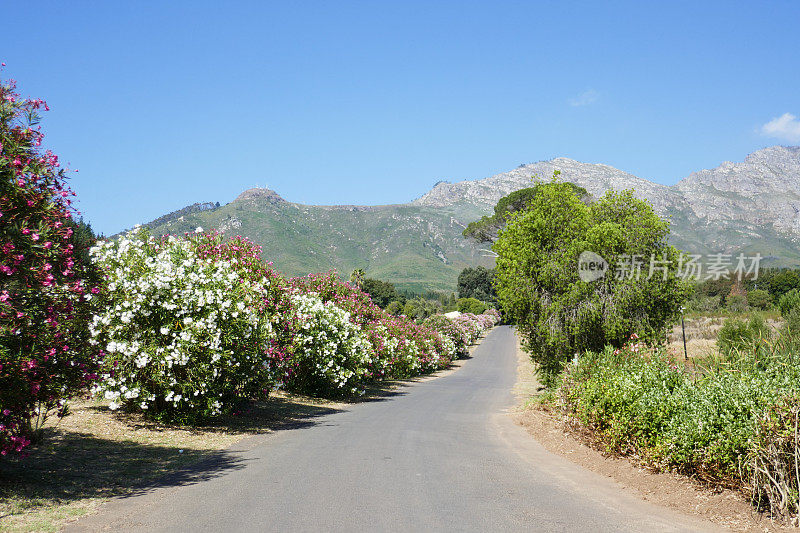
[(401, 348), (464, 329), (45, 298), (451, 330)]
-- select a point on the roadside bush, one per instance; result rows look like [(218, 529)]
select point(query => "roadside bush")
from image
[(774, 458), (182, 330), (401, 347), (330, 354), (45, 289), (734, 426), (448, 328)]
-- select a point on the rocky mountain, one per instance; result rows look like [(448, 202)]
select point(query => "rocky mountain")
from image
[(752, 206)]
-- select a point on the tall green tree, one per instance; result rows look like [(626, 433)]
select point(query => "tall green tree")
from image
[(538, 282)]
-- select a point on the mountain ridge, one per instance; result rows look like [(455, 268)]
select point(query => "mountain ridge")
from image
[(748, 206)]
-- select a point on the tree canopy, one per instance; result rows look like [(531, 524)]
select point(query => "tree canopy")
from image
[(477, 283), (487, 228), (538, 282)]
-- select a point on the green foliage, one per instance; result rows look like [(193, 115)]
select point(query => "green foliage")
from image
[(738, 335), (734, 426), (471, 305), (477, 283), (789, 302), (537, 280), (784, 281), (380, 292), (759, 299), (487, 228), (395, 308), (736, 303)]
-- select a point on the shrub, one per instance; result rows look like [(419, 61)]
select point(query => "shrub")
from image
[(471, 305), (759, 298), (45, 289), (641, 403), (736, 303), (182, 328), (538, 283), (394, 308), (330, 355), (737, 335), (789, 302), (402, 349), (773, 458), (449, 329), (735, 426)]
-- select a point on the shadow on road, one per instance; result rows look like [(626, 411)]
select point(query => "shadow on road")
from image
[(122, 454)]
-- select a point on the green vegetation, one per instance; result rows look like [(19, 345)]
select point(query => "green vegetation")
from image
[(488, 227), (470, 305), (737, 335), (477, 283), (733, 423), (418, 248), (538, 284)]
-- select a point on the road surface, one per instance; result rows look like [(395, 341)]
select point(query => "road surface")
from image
[(441, 455)]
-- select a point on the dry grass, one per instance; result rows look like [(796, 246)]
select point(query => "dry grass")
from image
[(701, 335), (94, 454)]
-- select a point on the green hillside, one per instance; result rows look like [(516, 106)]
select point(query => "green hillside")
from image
[(416, 247)]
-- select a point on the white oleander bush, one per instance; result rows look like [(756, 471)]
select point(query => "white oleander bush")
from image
[(182, 335)]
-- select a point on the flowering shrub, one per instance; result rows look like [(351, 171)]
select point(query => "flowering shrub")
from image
[(44, 305), (330, 354), (401, 348), (451, 330), (183, 328), (494, 314), (464, 329)]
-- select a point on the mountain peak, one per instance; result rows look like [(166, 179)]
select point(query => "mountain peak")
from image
[(260, 196)]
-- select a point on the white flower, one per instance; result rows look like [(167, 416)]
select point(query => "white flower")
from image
[(198, 229)]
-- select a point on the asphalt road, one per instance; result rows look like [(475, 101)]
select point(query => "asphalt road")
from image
[(441, 455)]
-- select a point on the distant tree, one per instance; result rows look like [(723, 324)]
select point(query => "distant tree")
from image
[(784, 281), (381, 292), (477, 283), (471, 305), (395, 308), (357, 277), (759, 298)]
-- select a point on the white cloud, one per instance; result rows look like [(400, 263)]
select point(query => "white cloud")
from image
[(587, 97), (786, 127)]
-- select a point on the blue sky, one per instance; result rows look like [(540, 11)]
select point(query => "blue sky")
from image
[(162, 104)]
